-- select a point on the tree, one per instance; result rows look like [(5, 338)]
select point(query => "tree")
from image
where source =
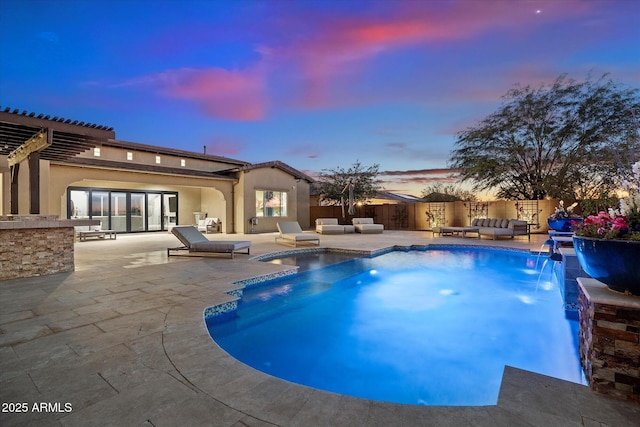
[(554, 141), (446, 193), (332, 183)]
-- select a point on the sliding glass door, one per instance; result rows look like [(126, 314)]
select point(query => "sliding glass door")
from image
[(170, 217), (124, 211), (154, 211), (138, 208), (100, 207), (118, 211)]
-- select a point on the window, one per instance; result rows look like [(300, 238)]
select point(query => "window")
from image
[(157, 160), (96, 152), (183, 162), (129, 155), (271, 203)]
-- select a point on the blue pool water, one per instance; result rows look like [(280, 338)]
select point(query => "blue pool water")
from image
[(432, 327)]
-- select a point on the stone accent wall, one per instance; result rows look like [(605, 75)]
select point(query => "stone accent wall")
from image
[(610, 348), (26, 252)]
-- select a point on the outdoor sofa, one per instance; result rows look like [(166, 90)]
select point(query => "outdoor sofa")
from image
[(491, 227), (366, 226), (331, 226), (194, 241), (496, 227)]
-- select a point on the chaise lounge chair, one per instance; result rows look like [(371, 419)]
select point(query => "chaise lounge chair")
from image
[(194, 241), (291, 233)]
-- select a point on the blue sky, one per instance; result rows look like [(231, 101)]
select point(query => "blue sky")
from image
[(315, 84)]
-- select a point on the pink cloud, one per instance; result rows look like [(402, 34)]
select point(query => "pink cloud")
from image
[(333, 58), (224, 146), (328, 61), (340, 51), (233, 95), (310, 173)]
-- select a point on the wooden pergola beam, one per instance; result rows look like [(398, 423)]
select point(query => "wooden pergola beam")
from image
[(34, 182), (30, 151), (38, 142)]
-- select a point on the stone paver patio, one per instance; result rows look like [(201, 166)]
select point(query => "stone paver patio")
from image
[(121, 341)]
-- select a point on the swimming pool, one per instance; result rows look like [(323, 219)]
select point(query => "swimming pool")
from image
[(432, 327)]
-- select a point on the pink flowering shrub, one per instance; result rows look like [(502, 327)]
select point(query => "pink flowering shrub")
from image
[(617, 224), (605, 226)]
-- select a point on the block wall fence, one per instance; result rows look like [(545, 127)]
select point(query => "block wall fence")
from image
[(425, 216)]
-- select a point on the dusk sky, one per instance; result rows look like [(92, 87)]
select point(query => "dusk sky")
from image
[(315, 84)]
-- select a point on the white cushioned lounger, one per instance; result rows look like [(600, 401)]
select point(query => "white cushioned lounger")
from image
[(291, 233), (366, 226)]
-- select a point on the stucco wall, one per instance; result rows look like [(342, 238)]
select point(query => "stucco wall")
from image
[(303, 208), (214, 204), (190, 190), (214, 196), (272, 179), (149, 158)]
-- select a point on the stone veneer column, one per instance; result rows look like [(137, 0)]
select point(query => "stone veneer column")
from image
[(35, 252), (37, 245), (610, 340)]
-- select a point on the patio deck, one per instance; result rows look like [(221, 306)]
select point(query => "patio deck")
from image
[(122, 340)]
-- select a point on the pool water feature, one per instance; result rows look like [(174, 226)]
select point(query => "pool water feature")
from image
[(433, 327)]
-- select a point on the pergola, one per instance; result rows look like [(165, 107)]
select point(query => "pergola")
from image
[(30, 137)]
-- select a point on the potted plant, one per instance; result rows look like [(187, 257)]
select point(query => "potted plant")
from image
[(608, 244), (563, 219)]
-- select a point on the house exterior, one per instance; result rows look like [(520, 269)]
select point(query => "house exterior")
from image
[(53, 166)]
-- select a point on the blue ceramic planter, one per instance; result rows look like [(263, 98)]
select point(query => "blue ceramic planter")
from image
[(562, 224), (616, 263)]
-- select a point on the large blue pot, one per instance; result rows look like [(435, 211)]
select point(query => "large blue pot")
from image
[(562, 224), (616, 263)]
